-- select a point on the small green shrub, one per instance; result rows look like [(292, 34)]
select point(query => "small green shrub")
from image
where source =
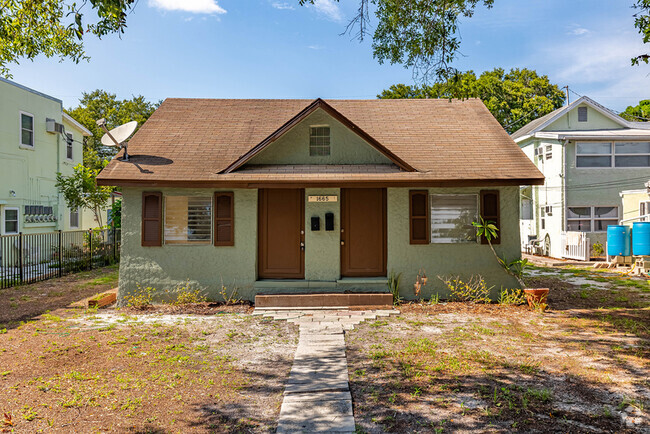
[(435, 299), (474, 290), (186, 295), (393, 284), (142, 298), (229, 298), (598, 249), (512, 297)]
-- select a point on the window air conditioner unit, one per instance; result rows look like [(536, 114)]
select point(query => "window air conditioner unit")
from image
[(52, 126)]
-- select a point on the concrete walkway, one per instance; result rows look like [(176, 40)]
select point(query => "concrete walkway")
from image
[(317, 395)]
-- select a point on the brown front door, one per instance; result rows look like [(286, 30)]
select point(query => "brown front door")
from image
[(281, 228), (363, 232)]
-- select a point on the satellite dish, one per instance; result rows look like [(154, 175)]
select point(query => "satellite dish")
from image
[(118, 136)]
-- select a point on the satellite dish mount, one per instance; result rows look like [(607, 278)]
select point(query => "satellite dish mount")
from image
[(118, 136)]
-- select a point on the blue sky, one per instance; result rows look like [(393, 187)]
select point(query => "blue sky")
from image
[(277, 49)]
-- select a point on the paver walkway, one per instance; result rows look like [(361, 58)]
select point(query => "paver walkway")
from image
[(317, 395)]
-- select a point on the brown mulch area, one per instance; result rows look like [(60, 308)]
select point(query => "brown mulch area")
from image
[(583, 366), (121, 371), (21, 303)]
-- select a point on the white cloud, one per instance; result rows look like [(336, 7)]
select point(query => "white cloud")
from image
[(329, 9), (315, 47), (597, 65), (578, 31), (194, 6), (282, 6)]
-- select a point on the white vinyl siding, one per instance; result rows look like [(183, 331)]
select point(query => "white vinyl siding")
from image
[(188, 220), (452, 216)]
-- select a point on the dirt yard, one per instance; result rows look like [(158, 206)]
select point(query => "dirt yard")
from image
[(109, 371), (23, 302), (583, 366)]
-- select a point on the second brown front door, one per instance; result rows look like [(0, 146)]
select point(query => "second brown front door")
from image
[(281, 227), (363, 232)]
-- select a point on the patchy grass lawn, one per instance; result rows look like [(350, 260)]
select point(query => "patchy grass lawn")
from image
[(99, 371), (583, 366), (23, 302)]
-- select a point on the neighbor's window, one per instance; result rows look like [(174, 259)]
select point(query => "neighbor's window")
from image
[(319, 141), (644, 210), (632, 154), (618, 154), (11, 220), (591, 218), (26, 129), (452, 216), (68, 146), (188, 220), (74, 218)]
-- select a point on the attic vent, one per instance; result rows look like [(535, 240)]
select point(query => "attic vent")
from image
[(582, 114), (319, 140)]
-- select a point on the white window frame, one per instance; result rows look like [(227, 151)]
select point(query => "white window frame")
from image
[(592, 216), (70, 212), (647, 210), (431, 204), (329, 146), (612, 155), (4, 220), (20, 130), (69, 144), (548, 152)]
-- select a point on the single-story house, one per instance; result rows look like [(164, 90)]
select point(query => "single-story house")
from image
[(295, 196)]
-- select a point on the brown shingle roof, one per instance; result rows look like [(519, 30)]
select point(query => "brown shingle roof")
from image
[(193, 141)]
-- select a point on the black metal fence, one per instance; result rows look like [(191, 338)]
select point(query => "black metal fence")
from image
[(28, 258)]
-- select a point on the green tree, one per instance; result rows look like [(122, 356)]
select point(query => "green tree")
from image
[(80, 190), (100, 104), (55, 28), (642, 23), (639, 112), (514, 98)]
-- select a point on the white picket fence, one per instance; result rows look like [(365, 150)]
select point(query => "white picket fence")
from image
[(575, 245)]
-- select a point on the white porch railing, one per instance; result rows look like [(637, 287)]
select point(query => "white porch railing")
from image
[(575, 245)]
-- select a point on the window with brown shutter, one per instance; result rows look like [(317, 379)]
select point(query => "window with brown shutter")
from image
[(152, 218), (224, 219), (490, 212), (419, 217)]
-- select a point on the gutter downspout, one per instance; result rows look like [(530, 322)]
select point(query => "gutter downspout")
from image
[(58, 170), (564, 171)]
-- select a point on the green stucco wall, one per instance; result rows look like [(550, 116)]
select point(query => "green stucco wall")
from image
[(322, 248), (206, 266), (346, 147), (462, 260)]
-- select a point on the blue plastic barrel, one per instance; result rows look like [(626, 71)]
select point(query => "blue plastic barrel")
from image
[(618, 240), (641, 241)]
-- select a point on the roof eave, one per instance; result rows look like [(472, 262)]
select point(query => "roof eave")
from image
[(85, 131)]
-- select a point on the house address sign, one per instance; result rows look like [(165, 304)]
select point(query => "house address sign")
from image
[(323, 199)]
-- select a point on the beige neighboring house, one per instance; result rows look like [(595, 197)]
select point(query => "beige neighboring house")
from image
[(636, 205)]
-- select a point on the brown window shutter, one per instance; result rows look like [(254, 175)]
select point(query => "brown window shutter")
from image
[(490, 211), (152, 218), (419, 217), (224, 219)]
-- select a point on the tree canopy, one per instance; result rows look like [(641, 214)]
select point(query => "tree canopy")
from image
[(639, 112), (55, 28), (100, 104), (514, 98), (80, 190), (419, 34)]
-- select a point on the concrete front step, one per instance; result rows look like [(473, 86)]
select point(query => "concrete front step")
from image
[(323, 300)]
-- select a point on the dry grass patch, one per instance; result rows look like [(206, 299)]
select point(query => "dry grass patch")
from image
[(110, 371)]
